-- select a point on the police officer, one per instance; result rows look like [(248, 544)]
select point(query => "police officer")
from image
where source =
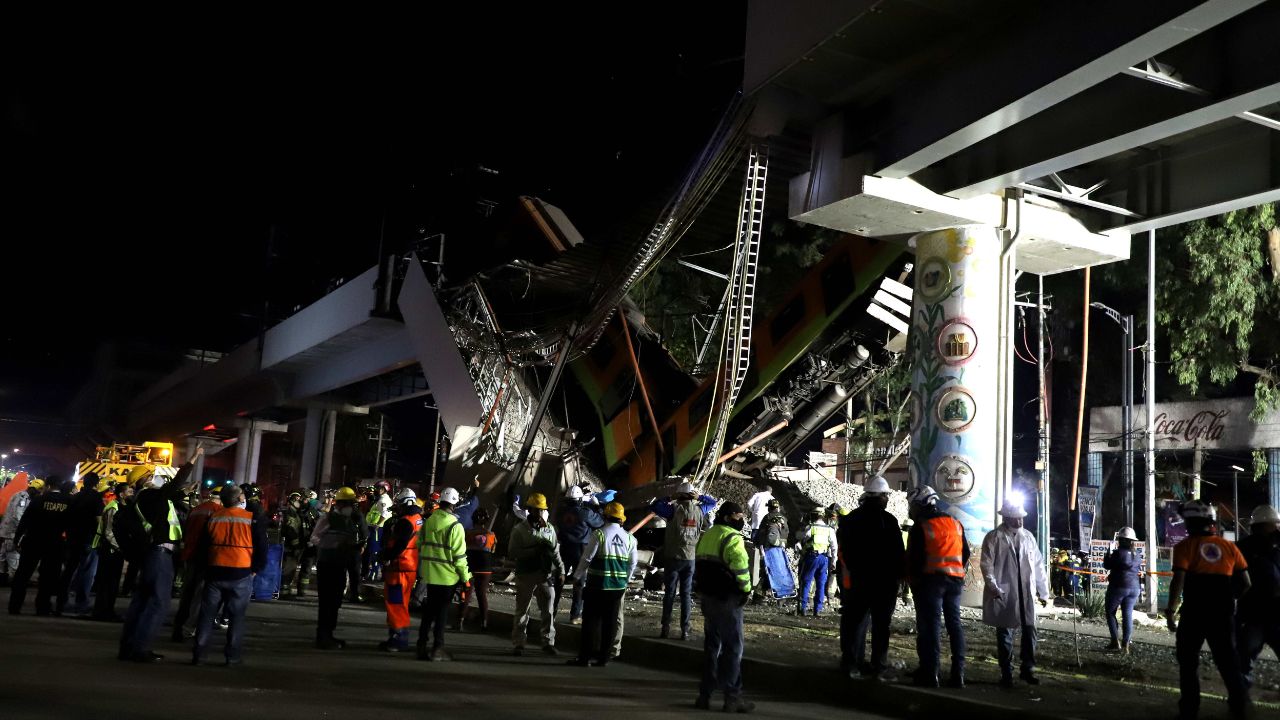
[(40, 540), (871, 562), (723, 579), (937, 556), (1208, 572), (339, 537)]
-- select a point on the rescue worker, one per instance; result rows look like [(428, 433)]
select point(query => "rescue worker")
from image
[(1123, 587), (110, 556), (757, 508), (539, 570), (1013, 575), (232, 548), (82, 562), (937, 556), (311, 514), (193, 557), (832, 516), (400, 554), (871, 561), (1258, 613), (338, 537), (380, 511), (575, 520), (293, 539), (161, 532), (1208, 574), (443, 566), (39, 539), (686, 522), (817, 541), (18, 504), (606, 566), (466, 508), (723, 579), (481, 543)]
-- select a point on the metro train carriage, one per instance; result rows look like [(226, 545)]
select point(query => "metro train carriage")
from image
[(631, 450)]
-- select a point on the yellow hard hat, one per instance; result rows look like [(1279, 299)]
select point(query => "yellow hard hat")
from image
[(140, 473), (36, 484), (616, 511), (103, 485), (345, 494), (536, 501)]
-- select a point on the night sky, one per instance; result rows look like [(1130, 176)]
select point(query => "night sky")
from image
[(144, 166)]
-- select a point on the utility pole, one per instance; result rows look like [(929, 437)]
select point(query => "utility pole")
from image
[(1126, 406), (1153, 601), (1042, 515)]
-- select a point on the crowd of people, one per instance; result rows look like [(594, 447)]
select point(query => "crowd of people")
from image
[(439, 552)]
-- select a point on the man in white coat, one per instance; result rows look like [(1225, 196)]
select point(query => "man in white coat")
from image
[(1014, 578)]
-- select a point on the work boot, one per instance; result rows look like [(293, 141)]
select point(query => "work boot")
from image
[(925, 680), (956, 680), (440, 655), (666, 631), (738, 705), (1029, 677), (817, 611), (684, 633), (702, 703), (1114, 646), (600, 662), (1006, 680), (1124, 649)]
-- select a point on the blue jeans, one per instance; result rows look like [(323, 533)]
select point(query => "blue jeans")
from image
[(571, 554), (814, 569), (1004, 649), (1123, 599), (82, 565), (150, 603), (234, 596), (722, 670), (678, 577), (938, 596), (1251, 635)]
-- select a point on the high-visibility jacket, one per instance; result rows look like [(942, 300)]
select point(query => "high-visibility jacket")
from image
[(230, 533), (407, 559), (943, 546), (108, 513), (197, 520), (442, 550), (722, 569), (175, 525), (610, 557), (819, 538)]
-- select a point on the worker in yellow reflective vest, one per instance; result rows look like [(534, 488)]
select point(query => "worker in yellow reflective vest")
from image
[(607, 565), (817, 546), (443, 566), (722, 577)]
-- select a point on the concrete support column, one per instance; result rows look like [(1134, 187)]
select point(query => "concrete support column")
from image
[(311, 448), (187, 454), (1273, 477), (1093, 470), (326, 459), (255, 455), (197, 470), (953, 348), (241, 471)]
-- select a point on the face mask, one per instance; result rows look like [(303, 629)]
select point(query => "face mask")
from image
[(157, 482), (242, 504), (736, 524), (543, 515)]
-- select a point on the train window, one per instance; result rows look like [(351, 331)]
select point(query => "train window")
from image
[(668, 459), (700, 408), (618, 395), (603, 352), (787, 319), (838, 283)]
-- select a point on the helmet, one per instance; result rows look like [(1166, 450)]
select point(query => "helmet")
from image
[(774, 504), (1127, 533), (573, 493), (686, 488), (1197, 510), (36, 484), (877, 485), (345, 494), (537, 501), (616, 511), (1264, 514), (386, 486), (922, 495), (407, 496), (141, 473), (103, 485), (295, 495), (1012, 509), (449, 495), (252, 492), (311, 495)]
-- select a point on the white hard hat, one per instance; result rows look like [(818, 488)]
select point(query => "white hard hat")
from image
[(449, 495), (1264, 514), (1197, 510), (406, 495), (922, 495), (1012, 509), (1127, 533), (573, 493), (877, 485), (686, 488)]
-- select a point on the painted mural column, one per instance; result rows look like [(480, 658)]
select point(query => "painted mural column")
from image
[(953, 349), (1273, 476)]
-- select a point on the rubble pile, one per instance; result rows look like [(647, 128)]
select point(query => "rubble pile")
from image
[(822, 492)]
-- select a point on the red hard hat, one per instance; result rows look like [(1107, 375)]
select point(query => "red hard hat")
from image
[(435, 496)]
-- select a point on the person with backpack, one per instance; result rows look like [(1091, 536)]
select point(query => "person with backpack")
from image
[(155, 534), (685, 524), (770, 535), (339, 537), (110, 556)]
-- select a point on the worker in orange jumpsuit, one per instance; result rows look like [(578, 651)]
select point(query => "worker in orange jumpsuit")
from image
[(400, 553)]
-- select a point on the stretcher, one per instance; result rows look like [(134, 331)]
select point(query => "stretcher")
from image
[(782, 583)]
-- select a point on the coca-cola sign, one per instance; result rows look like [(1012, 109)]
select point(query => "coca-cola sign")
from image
[(1210, 424)]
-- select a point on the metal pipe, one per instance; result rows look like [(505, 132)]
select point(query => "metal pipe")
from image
[(562, 358), (1127, 444), (1043, 518), (738, 450), (1084, 378), (1152, 600), (644, 392)]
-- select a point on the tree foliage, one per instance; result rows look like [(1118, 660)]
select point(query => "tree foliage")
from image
[(1220, 302)]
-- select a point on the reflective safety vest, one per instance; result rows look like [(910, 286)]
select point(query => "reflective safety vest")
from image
[(442, 550), (722, 570), (374, 516), (230, 532), (611, 565), (175, 527), (103, 519), (407, 560), (943, 546), (817, 538)]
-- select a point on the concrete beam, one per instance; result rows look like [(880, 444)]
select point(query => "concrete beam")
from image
[(391, 352), (343, 309), (940, 114)]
